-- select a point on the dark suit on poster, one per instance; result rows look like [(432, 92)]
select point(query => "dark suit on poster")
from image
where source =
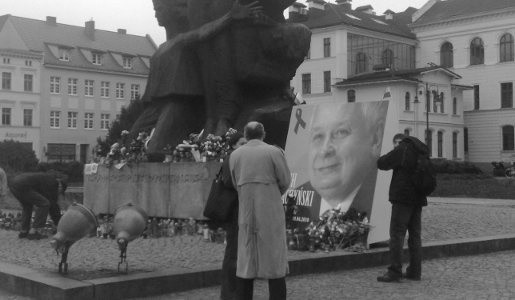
[(362, 201)]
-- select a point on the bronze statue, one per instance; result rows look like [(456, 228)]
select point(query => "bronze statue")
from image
[(223, 62)]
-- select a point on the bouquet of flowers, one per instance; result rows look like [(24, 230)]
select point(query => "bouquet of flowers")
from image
[(212, 147), (335, 229), (187, 149)]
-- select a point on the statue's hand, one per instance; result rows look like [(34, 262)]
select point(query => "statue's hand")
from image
[(251, 10)]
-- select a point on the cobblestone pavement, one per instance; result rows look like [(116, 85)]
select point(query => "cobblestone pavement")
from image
[(95, 257), (489, 276)]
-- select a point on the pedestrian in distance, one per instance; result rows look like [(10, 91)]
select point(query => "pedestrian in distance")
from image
[(407, 202), (41, 192), (3, 183), (261, 176)]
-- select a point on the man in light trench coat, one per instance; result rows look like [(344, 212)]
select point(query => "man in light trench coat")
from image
[(261, 175)]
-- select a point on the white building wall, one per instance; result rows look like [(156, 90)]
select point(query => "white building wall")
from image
[(484, 126)]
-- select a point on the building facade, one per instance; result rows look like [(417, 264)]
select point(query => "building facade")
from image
[(476, 40), (358, 56), (81, 78)]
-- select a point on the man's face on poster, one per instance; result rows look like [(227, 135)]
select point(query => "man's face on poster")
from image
[(342, 151)]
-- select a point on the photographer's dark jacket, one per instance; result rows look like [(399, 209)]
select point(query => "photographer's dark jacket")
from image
[(402, 160)]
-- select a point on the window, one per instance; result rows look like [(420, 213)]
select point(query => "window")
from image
[(446, 55), (88, 121), (61, 152), (306, 83), (55, 119), (507, 95), (7, 60), (477, 52), (387, 58), (6, 80), (327, 47), (476, 97), (64, 54), (88, 87), (327, 81), (104, 89), (6, 116), (72, 119), (120, 93), (96, 58), (55, 85), (27, 117), (436, 100), (454, 106), (28, 63), (127, 62), (429, 141), (72, 86), (407, 101), (506, 47), (361, 63), (507, 138), (406, 132), (27, 82), (104, 121), (441, 100), (440, 143), (466, 140), (351, 96), (454, 145), (134, 91), (308, 56)]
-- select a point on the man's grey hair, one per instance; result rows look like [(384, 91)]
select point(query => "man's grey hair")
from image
[(254, 130)]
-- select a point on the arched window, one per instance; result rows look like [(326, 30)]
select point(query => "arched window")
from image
[(454, 106), (387, 58), (361, 63), (477, 52), (351, 96), (407, 102), (406, 132), (440, 143), (507, 138), (506, 47), (455, 144), (446, 55)]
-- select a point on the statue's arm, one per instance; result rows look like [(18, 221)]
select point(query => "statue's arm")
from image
[(238, 12)]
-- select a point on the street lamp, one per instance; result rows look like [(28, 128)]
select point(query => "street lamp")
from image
[(427, 113)]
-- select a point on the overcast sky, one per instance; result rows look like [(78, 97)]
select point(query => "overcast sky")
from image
[(137, 16)]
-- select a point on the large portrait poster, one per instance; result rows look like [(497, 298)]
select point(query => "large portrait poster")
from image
[(332, 151)]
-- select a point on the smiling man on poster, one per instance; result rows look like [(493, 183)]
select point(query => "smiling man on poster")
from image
[(344, 142)]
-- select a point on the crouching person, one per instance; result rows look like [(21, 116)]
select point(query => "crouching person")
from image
[(41, 192)]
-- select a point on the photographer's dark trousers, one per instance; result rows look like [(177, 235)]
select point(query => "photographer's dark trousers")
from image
[(406, 218), (276, 289), (29, 199)]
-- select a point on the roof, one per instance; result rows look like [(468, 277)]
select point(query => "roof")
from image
[(394, 75), (335, 14), (39, 36), (451, 9)]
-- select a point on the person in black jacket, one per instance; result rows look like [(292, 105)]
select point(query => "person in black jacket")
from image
[(228, 290), (407, 206), (42, 191)]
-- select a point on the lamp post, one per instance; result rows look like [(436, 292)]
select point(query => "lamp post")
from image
[(427, 113)]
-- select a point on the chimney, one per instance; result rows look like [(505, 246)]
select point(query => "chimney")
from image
[(345, 3), (122, 31), (316, 4), (297, 13), (368, 9), (51, 20), (89, 29), (388, 15)]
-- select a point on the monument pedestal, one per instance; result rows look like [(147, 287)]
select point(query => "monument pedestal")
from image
[(169, 190)]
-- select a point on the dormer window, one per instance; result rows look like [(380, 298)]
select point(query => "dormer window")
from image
[(96, 58), (64, 54), (127, 62)]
